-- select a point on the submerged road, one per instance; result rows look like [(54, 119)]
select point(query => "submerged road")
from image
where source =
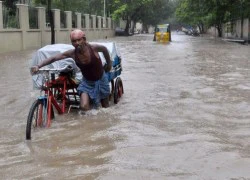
[(185, 114)]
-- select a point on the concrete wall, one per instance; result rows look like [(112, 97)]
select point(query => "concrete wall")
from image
[(122, 24), (213, 31), (238, 28), (246, 29), (26, 38), (233, 30), (238, 31)]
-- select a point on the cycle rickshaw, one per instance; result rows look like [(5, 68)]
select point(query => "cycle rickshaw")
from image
[(58, 82)]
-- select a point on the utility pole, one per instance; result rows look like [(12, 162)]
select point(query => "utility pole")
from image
[(104, 8), (51, 20), (104, 12), (242, 19)]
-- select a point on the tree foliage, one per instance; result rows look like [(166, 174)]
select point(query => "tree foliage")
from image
[(201, 13), (211, 12), (81, 6), (148, 12), (10, 5)]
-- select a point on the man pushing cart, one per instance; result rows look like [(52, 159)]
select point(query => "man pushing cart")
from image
[(73, 75), (94, 86)]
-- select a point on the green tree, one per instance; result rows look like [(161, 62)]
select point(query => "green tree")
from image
[(10, 5), (81, 6), (149, 12), (211, 12), (192, 12)]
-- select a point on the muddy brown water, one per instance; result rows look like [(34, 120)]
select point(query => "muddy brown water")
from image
[(185, 114)]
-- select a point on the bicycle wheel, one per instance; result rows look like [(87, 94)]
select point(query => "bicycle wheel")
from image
[(118, 91), (37, 117)]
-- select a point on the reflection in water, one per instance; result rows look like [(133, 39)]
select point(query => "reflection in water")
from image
[(184, 115)]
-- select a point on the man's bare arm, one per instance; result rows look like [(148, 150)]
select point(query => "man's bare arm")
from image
[(104, 50), (52, 59), (57, 57)]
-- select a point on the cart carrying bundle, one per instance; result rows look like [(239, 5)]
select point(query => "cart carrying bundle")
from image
[(51, 50), (58, 86)]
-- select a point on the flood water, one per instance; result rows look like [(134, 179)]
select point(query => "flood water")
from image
[(185, 114)]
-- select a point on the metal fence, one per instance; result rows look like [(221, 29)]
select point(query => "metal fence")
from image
[(74, 20), (63, 20), (84, 22), (33, 18), (47, 19), (10, 18)]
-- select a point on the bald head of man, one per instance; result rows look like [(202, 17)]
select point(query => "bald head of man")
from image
[(76, 34), (78, 38)]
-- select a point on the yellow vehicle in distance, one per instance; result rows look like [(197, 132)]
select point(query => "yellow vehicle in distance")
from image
[(162, 33)]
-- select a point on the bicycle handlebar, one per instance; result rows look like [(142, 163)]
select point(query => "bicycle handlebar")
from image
[(65, 68)]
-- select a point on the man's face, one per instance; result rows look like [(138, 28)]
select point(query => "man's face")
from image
[(78, 40)]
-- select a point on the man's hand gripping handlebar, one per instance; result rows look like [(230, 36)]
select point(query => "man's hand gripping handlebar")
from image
[(36, 69)]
